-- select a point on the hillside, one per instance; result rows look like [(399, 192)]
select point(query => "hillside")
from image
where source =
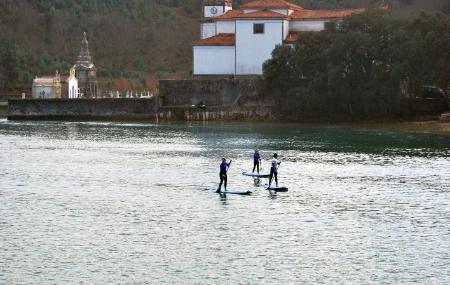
[(138, 39), (128, 39)]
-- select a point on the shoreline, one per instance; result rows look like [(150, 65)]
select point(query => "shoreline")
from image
[(423, 126), (416, 126)]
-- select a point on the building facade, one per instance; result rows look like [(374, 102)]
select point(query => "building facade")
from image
[(72, 85), (238, 42), (85, 71), (47, 87)]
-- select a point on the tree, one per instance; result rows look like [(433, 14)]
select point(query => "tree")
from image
[(362, 69)]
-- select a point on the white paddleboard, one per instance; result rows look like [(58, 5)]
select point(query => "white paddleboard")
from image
[(255, 174), (229, 191), (273, 187)]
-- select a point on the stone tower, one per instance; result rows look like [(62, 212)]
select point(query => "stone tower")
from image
[(86, 72)]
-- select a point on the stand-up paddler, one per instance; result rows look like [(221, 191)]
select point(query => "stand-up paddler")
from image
[(223, 174), (274, 163), (256, 161)]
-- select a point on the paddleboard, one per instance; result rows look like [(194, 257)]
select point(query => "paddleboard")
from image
[(229, 191), (254, 174), (273, 187)]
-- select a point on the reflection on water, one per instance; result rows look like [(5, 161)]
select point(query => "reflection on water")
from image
[(102, 203)]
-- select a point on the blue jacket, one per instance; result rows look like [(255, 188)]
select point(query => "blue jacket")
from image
[(224, 166)]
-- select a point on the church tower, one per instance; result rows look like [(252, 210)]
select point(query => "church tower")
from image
[(86, 72), (211, 9)]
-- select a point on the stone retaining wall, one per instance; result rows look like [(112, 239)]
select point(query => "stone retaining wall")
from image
[(211, 92), (82, 109)]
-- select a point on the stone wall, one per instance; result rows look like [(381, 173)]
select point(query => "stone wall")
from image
[(211, 92), (215, 114), (82, 109)]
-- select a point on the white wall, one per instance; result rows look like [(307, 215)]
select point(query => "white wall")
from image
[(207, 11), (214, 60), (73, 88), (252, 50), (285, 29), (207, 30), (225, 27), (42, 92), (300, 26)]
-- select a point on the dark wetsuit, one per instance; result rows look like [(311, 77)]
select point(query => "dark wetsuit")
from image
[(223, 174), (256, 159)]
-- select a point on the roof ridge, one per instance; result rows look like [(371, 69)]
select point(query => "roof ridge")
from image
[(271, 4)]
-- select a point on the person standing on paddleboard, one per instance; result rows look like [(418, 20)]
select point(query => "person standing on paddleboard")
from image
[(223, 174), (256, 161), (274, 163)]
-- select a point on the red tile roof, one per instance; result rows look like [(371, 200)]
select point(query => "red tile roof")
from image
[(265, 14), (273, 4), (324, 14), (219, 40), (292, 38), (301, 14), (229, 15)]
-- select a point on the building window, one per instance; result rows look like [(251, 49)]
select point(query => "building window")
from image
[(258, 28)]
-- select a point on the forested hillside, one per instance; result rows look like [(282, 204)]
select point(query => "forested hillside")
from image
[(136, 39)]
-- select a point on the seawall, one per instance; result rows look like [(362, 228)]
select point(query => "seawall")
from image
[(261, 113), (82, 109), (181, 100), (218, 92)]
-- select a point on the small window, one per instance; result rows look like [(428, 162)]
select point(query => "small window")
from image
[(258, 28)]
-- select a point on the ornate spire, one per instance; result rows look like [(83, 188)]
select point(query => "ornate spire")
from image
[(84, 46), (84, 58)]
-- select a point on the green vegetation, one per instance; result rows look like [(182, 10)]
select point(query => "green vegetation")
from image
[(128, 39), (364, 68)]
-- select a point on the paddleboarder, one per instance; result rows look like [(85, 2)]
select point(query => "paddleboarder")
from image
[(223, 174), (256, 161), (274, 163)]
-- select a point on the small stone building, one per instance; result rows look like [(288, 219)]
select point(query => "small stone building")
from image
[(47, 87)]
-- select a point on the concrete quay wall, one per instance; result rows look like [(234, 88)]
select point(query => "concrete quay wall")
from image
[(217, 92), (82, 109), (224, 99), (254, 113)]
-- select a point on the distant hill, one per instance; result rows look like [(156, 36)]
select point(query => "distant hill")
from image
[(138, 39), (128, 39)]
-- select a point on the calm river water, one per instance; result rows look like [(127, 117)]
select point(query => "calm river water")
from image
[(118, 203)]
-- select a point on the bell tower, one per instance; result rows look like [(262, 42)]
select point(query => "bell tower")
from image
[(214, 8), (86, 71), (211, 9)]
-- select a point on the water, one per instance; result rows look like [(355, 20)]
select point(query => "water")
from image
[(112, 203)]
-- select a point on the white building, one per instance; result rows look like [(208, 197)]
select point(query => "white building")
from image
[(238, 42), (72, 83)]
